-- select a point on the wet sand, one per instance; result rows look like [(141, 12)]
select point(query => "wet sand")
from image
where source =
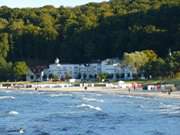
[(175, 95)]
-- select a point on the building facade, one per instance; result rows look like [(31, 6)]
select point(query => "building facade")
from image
[(111, 67)]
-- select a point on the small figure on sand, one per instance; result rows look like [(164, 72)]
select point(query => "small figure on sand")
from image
[(134, 86), (85, 88), (129, 90), (169, 91)]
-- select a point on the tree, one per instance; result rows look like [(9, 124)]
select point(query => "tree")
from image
[(55, 77), (138, 59), (156, 68), (5, 67), (102, 76), (173, 63), (67, 76), (20, 69), (3, 23), (16, 26), (4, 45), (5, 70), (94, 31)]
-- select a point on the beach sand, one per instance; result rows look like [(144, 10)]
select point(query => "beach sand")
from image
[(175, 95)]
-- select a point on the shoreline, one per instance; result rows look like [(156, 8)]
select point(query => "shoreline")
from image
[(142, 93)]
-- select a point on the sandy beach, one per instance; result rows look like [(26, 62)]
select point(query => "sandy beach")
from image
[(144, 93)]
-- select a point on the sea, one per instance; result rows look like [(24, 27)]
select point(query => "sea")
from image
[(86, 113)]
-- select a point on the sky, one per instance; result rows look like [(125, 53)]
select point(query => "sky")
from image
[(40, 3)]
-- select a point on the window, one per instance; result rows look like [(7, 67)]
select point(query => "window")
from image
[(31, 77)]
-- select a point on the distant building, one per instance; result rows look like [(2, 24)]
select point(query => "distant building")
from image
[(61, 71), (30, 76), (112, 67), (89, 71), (35, 73), (116, 69)]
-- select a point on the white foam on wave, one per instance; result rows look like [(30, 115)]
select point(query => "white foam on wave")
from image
[(93, 99), (171, 109), (134, 97), (90, 106), (99, 95), (142, 97), (126, 96), (7, 97), (60, 95), (7, 91), (13, 113)]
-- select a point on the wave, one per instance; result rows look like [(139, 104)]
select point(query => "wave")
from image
[(60, 95), (135, 97), (13, 113), (93, 99), (142, 97), (140, 106), (90, 107), (170, 109), (126, 96), (7, 97), (99, 95), (7, 91)]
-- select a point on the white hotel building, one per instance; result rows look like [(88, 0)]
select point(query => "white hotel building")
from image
[(86, 71)]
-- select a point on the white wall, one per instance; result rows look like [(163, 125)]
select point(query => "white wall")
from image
[(107, 66)]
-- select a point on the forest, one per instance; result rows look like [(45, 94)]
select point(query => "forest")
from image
[(87, 33)]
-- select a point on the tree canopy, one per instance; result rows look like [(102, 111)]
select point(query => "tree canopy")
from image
[(91, 31), (20, 69), (138, 59), (94, 31)]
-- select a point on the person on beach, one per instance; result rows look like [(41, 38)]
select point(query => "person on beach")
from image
[(169, 91), (129, 89), (134, 87), (85, 88)]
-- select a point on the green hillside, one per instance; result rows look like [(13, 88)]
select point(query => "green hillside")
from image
[(89, 32)]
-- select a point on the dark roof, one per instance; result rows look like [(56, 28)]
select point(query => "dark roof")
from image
[(38, 69)]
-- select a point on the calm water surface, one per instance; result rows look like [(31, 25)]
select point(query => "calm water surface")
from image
[(87, 113)]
